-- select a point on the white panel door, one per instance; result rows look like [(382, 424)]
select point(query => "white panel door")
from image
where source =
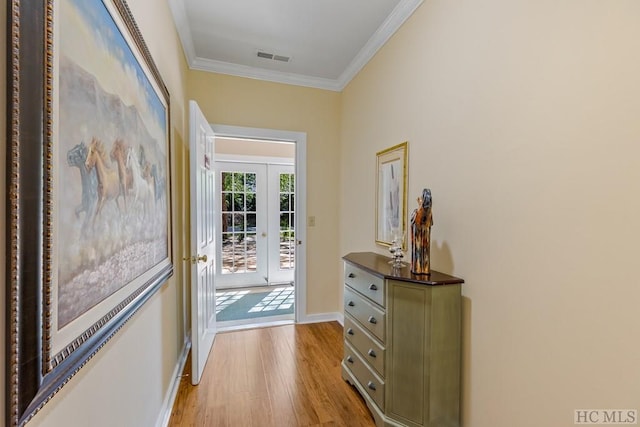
[(203, 237)]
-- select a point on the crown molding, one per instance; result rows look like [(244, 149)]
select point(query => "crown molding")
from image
[(221, 67), (394, 21), (182, 26), (403, 10)]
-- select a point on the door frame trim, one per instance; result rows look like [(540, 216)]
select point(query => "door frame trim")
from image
[(300, 139)]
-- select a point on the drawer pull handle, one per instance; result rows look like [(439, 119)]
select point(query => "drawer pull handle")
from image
[(351, 275), (371, 353), (350, 304), (372, 320), (373, 287), (349, 359), (371, 385), (350, 331)]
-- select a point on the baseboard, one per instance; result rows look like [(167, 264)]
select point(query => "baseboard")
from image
[(322, 317), (169, 400), (259, 322)]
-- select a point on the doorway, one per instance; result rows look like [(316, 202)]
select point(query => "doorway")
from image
[(260, 242), (256, 242)]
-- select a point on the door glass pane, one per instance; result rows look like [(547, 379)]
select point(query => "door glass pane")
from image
[(287, 233), (238, 223), (226, 221), (238, 181), (227, 199), (284, 182), (251, 202), (239, 257), (250, 182), (238, 202), (284, 221), (251, 222), (284, 202), (238, 226), (251, 252)]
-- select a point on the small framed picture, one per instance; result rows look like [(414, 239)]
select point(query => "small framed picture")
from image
[(391, 195)]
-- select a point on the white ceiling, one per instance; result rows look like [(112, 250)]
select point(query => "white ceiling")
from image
[(328, 41)]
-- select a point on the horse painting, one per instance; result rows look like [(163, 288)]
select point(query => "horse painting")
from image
[(108, 182), (76, 157), (125, 177)]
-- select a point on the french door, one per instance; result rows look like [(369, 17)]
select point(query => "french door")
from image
[(256, 241)]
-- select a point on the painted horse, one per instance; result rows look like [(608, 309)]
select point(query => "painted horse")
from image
[(76, 157), (158, 181), (142, 189), (125, 177), (108, 182)]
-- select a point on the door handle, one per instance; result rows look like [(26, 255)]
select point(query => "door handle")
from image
[(194, 259)]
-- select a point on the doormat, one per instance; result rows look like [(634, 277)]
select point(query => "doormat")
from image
[(244, 304)]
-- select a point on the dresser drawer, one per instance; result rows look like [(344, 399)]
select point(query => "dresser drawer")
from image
[(364, 312), (364, 344), (367, 284), (373, 385)]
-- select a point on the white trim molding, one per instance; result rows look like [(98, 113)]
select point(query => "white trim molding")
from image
[(240, 158), (300, 139), (182, 26), (323, 317), (203, 64), (394, 21), (167, 405)]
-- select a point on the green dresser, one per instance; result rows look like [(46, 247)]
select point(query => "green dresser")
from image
[(402, 342)]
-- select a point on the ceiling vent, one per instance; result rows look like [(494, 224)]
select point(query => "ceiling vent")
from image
[(272, 56)]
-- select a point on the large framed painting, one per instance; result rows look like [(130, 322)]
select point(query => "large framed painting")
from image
[(391, 195), (89, 226)]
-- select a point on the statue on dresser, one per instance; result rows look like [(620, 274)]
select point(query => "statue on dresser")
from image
[(421, 222)]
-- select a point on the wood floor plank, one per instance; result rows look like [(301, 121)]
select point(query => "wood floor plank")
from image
[(272, 377), (214, 416)]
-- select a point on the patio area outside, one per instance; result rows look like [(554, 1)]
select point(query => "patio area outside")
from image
[(239, 254)]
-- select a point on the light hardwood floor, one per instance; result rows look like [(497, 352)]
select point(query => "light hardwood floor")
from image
[(279, 376)]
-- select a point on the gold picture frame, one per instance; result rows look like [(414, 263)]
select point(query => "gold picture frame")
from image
[(391, 194)]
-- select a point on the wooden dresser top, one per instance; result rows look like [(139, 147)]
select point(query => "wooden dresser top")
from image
[(378, 265)]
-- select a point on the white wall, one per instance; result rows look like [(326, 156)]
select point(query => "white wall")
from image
[(522, 118)]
